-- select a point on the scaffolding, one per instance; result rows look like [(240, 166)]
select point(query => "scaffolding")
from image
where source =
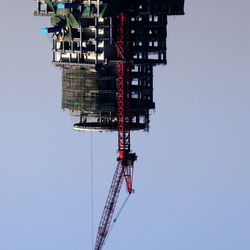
[(92, 97)]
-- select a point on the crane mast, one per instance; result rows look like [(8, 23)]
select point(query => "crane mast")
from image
[(124, 169)]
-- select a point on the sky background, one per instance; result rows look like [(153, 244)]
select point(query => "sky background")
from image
[(192, 188)]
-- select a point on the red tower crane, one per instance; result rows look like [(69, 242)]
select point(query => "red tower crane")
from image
[(124, 169)]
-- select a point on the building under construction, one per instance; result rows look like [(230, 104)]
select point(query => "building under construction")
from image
[(84, 46)]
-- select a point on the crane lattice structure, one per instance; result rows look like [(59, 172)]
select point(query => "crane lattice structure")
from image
[(124, 169)]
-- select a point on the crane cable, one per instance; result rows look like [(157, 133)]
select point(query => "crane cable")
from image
[(116, 217), (92, 189)]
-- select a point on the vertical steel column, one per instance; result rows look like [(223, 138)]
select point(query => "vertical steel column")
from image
[(123, 88), (123, 85)]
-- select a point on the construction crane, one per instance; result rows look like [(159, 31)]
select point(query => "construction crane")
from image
[(84, 33), (126, 159)]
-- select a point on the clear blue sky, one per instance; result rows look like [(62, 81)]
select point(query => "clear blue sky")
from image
[(192, 174)]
